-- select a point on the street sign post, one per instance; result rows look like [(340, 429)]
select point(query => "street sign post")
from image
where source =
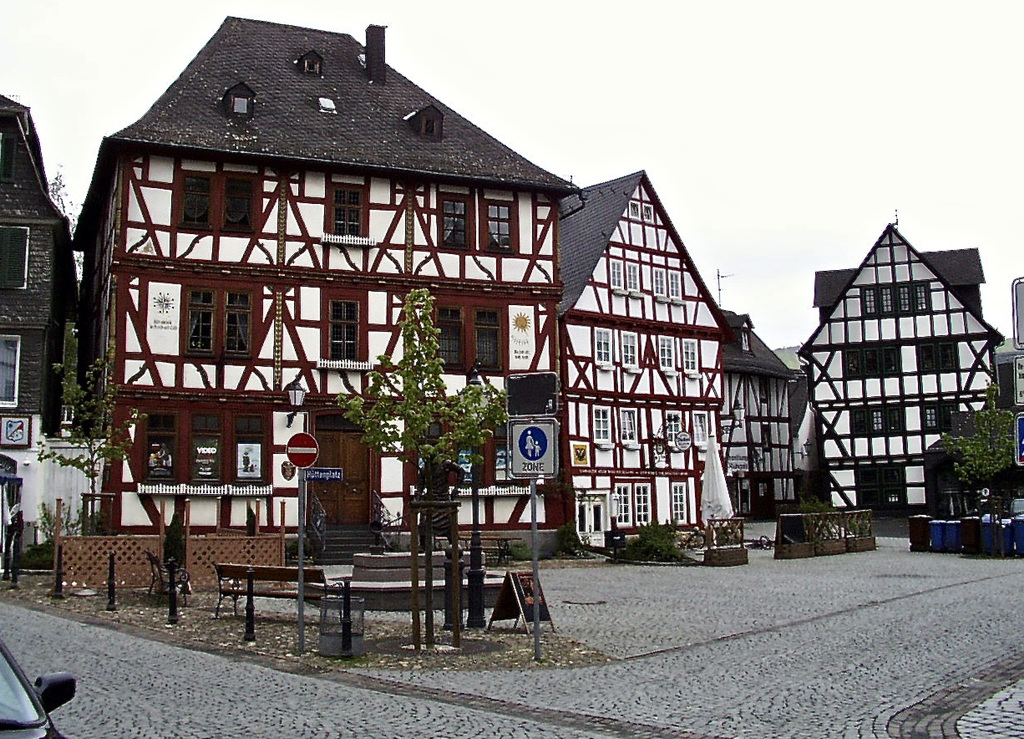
[(302, 450), (1019, 428), (532, 394), (1018, 313), (325, 474), (534, 448)]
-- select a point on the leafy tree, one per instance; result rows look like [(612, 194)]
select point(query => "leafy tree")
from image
[(93, 431), (991, 449)]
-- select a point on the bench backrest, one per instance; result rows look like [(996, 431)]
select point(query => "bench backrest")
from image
[(268, 573)]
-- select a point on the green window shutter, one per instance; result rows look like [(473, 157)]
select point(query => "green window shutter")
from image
[(6, 157), (13, 253)]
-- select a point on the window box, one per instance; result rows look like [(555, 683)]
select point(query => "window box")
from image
[(619, 291), (631, 370), (669, 372), (604, 366), (603, 445), (631, 446), (661, 299), (692, 375), (635, 293)]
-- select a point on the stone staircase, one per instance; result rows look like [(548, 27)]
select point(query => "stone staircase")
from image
[(341, 542)]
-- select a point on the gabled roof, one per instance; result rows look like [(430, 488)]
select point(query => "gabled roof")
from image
[(368, 131), (760, 360), (587, 222), (10, 106)]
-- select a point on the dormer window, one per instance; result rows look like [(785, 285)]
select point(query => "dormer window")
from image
[(745, 339), (427, 122), (240, 101), (311, 63)]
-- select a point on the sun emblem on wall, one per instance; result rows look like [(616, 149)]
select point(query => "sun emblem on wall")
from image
[(521, 322), (163, 302)]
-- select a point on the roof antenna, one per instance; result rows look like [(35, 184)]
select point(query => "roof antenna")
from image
[(720, 276), (897, 223)]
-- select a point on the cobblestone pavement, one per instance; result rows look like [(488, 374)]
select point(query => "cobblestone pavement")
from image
[(875, 644)]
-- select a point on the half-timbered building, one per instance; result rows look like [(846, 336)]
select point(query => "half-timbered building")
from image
[(261, 225), (641, 365), (37, 298), (901, 346), (756, 434)]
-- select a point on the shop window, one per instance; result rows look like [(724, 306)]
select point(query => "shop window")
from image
[(161, 446)]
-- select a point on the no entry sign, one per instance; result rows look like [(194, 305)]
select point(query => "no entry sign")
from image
[(302, 450)]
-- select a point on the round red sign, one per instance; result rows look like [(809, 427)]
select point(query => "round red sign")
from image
[(302, 450)]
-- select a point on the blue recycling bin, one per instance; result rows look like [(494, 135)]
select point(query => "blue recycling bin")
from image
[(951, 537), (1018, 536), (938, 530), (1006, 530)]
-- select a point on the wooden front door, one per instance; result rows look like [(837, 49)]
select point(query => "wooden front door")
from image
[(346, 502)]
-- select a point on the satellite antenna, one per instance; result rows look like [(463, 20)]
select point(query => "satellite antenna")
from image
[(897, 223)]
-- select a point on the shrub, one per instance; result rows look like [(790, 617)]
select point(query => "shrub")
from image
[(814, 505), (655, 542), (37, 556), (174, 541), (568, 541), (519, 550)]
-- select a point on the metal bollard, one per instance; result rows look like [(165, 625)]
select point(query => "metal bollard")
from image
[(250, 607), (346, 619), (172, 591), (111, 594), (58, 586)]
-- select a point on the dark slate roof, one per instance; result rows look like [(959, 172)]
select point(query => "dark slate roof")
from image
[(587, 222), (369, 130), (760, 360), (10, 106)]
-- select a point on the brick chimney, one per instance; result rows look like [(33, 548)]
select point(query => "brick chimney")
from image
[(376, 69)]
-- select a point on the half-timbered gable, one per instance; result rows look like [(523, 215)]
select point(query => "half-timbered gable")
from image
[(641, 359), (37, 297), (756, 434), (901, 347), (236, 246)]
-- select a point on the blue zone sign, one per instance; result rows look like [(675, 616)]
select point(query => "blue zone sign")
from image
[(534, 445), (1020, 439)]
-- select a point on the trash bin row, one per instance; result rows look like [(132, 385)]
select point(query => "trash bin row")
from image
[(973, 535)]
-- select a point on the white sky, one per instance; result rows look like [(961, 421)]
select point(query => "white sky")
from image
[(781, 136)]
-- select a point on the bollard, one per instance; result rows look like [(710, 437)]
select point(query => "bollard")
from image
[(16, 557), (250, 608), (111, 605), (448, 585), (58, 586), (172, 591), (346, 620)]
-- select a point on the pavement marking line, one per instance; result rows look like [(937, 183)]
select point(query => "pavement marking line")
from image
[(808, 619)]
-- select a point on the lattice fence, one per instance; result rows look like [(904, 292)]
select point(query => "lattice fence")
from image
[(243, 550), (725, 532), (86, 560)]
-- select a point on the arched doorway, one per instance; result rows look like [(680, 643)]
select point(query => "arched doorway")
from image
[(346, 502)]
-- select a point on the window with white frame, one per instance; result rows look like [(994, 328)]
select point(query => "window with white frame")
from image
[(700, 427), (628, 341), (623, 493), (615, 275), (627, 430), (689, 355), (634, 209), (602, 425), (675, 288), (667, 353), (648, 212), (603, 346), (9, 350), (660, 287), (679, 498), (633, 277), (673, 426), (642, 500)]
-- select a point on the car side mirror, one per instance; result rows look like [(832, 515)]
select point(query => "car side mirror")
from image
[(55, 689)]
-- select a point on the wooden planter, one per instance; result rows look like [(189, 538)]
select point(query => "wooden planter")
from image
[(861, 544), (728, 557), (794, 551), (829, 546)]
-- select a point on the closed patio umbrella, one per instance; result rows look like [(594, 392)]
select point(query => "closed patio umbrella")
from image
[(714, 502)]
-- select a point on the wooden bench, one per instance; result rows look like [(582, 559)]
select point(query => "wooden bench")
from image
[(497, 549), (159, 581), (268, 582)]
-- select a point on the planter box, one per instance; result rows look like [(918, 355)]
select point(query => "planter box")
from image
[(794, 551), (829, 546), (728, 557), (861, 544)]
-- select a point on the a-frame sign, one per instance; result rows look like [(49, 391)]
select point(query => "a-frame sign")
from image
[(515, 600)]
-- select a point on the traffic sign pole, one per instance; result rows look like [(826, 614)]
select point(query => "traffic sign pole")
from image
[(302, 451)]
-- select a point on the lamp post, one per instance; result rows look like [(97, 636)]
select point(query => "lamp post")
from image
[(297, 396), (475, 576), (729, 424)]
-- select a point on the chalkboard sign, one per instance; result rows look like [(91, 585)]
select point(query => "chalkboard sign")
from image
[(792, 528), (515, 600)]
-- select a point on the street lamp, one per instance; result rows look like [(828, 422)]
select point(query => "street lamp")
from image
[(475, 576), (296, 396)]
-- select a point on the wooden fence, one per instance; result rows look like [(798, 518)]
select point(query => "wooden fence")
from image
[(815, 534)]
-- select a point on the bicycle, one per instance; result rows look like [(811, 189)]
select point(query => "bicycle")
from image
[(764, 542), (691, 539)]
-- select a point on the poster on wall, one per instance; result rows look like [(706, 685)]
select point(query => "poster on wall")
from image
[(522, 336), (248, 461), (580, 454), (163, 317), (161, 461), (205, 458), (15, 431)]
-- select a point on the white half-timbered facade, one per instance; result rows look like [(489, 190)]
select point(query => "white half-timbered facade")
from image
[(756, 434), (901, 347), (262, 224), (641, 365)]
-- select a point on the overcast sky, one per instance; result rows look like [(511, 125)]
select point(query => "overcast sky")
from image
[(781, 136)]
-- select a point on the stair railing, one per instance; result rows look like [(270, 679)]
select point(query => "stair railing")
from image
[(390, 524)]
